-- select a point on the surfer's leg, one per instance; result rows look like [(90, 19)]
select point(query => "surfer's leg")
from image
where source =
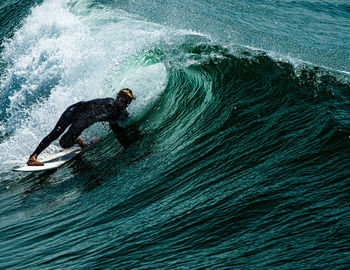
[(65, 120), (71, 137)]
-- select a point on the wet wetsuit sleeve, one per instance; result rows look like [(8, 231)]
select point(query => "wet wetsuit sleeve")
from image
[(123, 115), (120, 134), (115, 127), (114, 124)]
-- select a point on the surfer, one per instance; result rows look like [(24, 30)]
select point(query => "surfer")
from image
[(80, 116)]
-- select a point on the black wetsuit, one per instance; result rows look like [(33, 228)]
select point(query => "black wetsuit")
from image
[(80, 116)]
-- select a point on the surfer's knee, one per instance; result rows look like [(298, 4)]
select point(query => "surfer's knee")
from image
[(66, 142)]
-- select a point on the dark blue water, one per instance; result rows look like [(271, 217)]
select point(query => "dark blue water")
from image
[(239, 139)]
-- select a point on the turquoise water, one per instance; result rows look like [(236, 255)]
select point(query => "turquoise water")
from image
[(239, 137)]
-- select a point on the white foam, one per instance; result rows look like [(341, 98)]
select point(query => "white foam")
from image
[(77, 53)]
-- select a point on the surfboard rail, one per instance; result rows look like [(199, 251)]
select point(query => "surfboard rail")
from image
[(51, 162)]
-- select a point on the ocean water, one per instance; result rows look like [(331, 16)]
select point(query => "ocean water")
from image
[(239, 138)]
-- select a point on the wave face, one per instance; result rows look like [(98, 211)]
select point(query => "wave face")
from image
[(237, 158)]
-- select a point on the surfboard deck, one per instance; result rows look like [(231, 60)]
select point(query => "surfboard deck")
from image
[(51, 162)]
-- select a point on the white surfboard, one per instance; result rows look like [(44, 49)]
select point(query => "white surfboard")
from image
[(51, 162)]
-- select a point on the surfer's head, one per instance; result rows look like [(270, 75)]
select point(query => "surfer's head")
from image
[(124, 97)]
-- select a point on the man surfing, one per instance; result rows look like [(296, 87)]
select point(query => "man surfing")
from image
[(82, 115)]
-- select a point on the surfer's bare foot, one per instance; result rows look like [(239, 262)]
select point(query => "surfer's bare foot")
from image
[(81, 142), (32, 161)]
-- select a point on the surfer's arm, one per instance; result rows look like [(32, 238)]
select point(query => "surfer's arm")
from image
[(120, 134), (115, 127), (124, 115), (126, 136)]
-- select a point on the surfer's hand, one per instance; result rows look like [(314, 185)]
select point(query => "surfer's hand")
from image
[(32, 161), (129, 136), (82, 143)]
